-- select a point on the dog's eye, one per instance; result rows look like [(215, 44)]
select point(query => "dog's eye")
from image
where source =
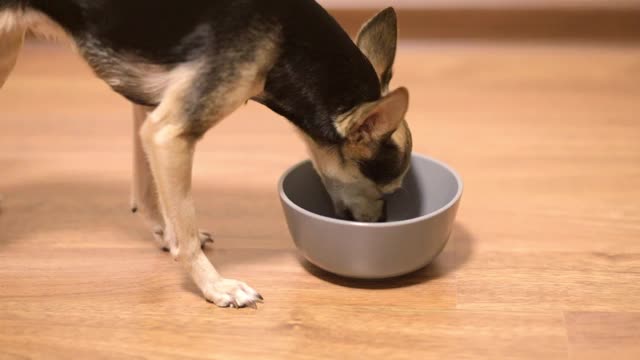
[(385, 166)]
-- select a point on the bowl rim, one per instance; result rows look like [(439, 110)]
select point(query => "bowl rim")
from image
[(456, 198)]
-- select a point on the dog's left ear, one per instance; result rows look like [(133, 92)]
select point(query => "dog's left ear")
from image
[(378, 40), (373, 122)]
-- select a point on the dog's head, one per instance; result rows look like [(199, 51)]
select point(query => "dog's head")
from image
[(375, 154)]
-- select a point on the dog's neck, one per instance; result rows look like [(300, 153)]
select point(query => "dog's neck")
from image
[(320, 74)]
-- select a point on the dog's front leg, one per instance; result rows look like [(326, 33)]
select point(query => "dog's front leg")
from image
[(144, 194), (170, 152)]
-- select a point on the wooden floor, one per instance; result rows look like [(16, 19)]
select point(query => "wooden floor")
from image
[(544, 261)]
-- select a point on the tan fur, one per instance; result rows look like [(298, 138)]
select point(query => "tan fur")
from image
[(327, 162), (37, 23), (12, 32), (163, 155), (144, 194), (165, 145), (172, 87), (14, 24), (144, 197), (42, 26), (10, 20), (345, 125), (171, 159), (401, 135), (363, 129), (152, 79), (401, 138), (249, 82), (10, 45), (346, 122), (357, 193), (391, 110), (170, 156), (369, 47), (377, 39)]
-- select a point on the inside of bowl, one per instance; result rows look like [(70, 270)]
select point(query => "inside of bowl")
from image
[(427, 188)]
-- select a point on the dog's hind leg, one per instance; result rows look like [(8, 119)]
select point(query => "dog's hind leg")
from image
[(11, 39), (144, 195)]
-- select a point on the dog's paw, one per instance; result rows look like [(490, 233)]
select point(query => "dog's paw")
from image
[(232, 293), (205, 238)]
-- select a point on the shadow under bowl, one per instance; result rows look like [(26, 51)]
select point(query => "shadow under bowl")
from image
[(420, 219)]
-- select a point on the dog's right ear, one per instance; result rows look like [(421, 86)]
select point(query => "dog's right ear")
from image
[(378, 40)]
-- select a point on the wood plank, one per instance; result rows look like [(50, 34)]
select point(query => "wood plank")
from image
[(113, 302), (127, 303), (598, 335), (297, 332), (550, 281), (545, 137)]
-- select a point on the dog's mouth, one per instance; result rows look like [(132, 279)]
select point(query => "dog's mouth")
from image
[(347, 214)]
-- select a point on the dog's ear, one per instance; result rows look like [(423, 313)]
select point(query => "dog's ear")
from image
[(368, 126), (378, 40)]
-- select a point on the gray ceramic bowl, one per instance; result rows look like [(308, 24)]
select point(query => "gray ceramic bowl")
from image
[(420, 219)]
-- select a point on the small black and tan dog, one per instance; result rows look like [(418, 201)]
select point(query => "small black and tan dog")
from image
[(187, 65)]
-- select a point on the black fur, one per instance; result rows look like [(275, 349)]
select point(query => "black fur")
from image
[(319, 73), (388, 163), (13, 4)]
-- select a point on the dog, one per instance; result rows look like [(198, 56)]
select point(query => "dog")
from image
[(187, 65)]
